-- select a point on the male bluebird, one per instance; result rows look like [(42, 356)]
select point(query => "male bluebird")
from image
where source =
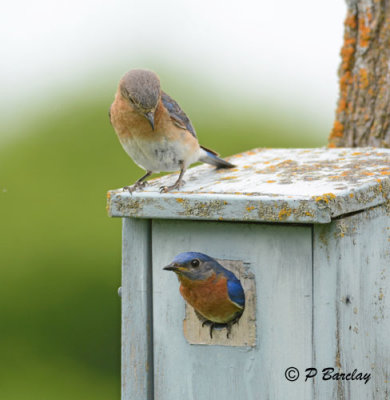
[(214, 292), (154, 131)]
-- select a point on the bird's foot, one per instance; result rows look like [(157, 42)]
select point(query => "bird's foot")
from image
[(212, 325), (211, 330), (228, 329), (216, 325), (229, 324), (176, 185), (137, 185)]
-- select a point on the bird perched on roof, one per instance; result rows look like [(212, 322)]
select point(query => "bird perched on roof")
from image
[(214, 292), (154, 131)]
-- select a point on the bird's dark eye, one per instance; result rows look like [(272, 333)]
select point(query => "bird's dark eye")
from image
[(195, 263)]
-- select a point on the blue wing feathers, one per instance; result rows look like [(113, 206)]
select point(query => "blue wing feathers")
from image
[(176, 113), (236, 292), (180, 119), (211, 154), (211, 157)]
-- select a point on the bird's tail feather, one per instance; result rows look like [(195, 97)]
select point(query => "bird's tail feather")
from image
[(211, 157)]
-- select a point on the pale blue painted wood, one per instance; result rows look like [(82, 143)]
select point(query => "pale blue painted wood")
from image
[(281, 259), (352, 304), (137, 325), (322, 290), (269, 185)]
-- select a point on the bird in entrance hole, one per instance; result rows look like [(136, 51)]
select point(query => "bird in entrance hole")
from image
[(214, 292), (154, 131)]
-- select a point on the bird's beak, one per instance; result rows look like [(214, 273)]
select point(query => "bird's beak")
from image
[(150, 117), (171, 267)]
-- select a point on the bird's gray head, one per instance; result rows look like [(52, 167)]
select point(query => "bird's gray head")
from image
[(193, 266), (142, 89)]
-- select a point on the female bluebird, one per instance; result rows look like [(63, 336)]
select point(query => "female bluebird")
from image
[(154, 131), (214, 292)]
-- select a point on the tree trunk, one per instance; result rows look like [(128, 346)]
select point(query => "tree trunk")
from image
[(363, 111)]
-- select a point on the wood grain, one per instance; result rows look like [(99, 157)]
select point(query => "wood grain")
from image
[(280, 257), (352, 304), (137, 323)]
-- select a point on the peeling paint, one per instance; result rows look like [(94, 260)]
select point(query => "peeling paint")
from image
[(344, 228), (201, 209), (274, 185)]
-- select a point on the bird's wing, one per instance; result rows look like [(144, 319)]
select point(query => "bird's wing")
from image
[(236, 292), (177, 114)]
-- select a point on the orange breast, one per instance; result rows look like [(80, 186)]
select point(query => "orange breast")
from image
[(128, 122), (125, 120), (210, 298)]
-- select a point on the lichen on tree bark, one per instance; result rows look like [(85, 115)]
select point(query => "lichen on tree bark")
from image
[(363, 110)]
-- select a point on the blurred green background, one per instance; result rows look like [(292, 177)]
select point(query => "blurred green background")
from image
[(60, 252), (249, 74)]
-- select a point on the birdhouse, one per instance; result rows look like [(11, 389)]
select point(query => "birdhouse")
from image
[(307, 233)]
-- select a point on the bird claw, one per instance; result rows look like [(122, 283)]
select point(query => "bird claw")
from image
[(228, 330), (211, 330), (166, 189), (137, 185), (130, 189), (211, 325), (214, 325), (176, 185)]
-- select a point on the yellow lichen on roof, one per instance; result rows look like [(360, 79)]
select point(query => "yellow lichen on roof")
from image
[(325, 197), (284, 213)]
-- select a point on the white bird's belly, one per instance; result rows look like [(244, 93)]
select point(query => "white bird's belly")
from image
[(156, 156)]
